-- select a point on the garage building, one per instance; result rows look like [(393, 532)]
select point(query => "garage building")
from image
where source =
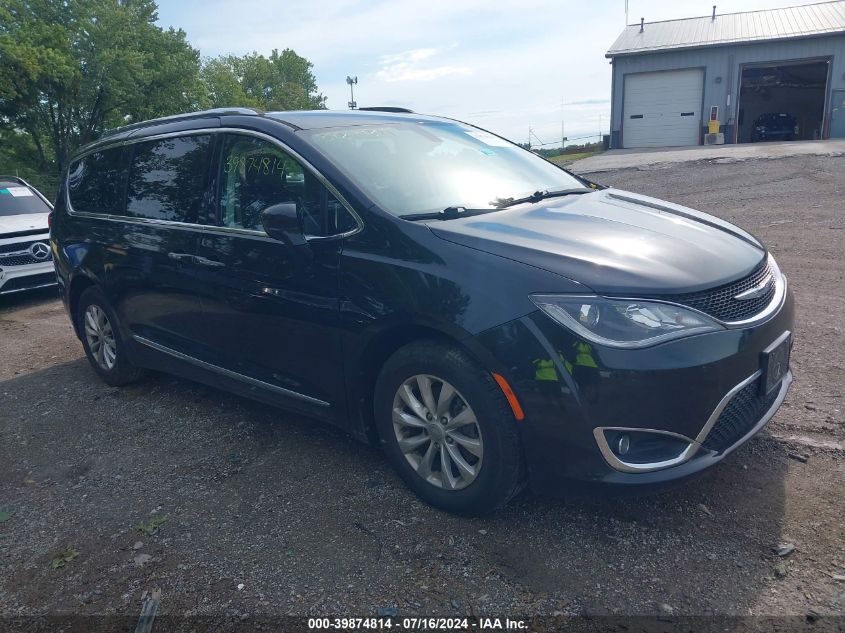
[(749, 73)]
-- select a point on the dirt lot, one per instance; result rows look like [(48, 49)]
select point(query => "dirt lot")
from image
[(264, 513)]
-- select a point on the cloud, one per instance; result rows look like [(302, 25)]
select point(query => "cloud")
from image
[(588, 102), (520, 62), (411, 66), (408, 57), (483, 113)]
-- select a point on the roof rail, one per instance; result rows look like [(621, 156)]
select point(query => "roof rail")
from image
[(182, 117), (388, 109)]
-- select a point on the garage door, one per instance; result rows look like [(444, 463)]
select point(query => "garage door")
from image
[(662, 109)]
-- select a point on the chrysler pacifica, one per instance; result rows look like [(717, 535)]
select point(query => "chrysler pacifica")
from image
[(492, 320)]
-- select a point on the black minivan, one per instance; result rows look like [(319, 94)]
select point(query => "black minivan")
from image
[(489, 318)]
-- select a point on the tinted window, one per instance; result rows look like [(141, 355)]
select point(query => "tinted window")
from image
[(256, 174), (168, 178), (96, 182), (18, 199)]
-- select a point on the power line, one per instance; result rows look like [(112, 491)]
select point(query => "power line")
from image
[(568, 139), (539, 142)]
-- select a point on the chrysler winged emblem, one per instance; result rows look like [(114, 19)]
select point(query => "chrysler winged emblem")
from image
[(756, 292)]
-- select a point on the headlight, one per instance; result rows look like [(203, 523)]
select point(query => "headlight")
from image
[(625, 323)]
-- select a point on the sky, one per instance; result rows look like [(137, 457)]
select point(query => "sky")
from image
[(501, 65)]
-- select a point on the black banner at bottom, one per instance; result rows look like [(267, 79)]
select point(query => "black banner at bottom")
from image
[(397, 624)]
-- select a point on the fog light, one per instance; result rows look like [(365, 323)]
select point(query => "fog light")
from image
[(623, 444), (640, 448)]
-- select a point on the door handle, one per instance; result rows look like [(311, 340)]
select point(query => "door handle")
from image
[(179, 256), (204, 261)]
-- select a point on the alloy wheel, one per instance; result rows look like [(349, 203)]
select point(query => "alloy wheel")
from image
[(437, 432), (100, 337)]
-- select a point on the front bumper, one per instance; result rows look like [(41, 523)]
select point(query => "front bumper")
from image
[(23, 266), (28, 277), (683, 388)]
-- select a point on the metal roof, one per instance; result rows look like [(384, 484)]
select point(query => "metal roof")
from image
[(808, 20)]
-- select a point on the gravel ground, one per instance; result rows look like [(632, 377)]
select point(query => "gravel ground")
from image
[(239, 511)]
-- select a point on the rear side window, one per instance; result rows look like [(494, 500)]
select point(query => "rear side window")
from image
[(18, 199), (168, 177), (96, 182)]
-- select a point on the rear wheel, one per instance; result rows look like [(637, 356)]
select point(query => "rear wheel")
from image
[(104, 347), (447, 429)]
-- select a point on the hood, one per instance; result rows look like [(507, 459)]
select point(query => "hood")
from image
[(615, 242), (22, 222)]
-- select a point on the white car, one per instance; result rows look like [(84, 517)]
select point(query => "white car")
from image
[(26, 261)]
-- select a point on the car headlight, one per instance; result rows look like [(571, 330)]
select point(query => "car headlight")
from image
[(624, 323)]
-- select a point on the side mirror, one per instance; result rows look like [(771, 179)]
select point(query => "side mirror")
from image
[(281, 222)]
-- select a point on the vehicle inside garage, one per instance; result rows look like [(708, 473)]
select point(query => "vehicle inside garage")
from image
[(782, 102)]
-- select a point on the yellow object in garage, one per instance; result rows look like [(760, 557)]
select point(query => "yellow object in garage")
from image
[(713, 127)]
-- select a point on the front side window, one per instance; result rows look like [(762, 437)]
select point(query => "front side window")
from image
[(256, 174), (427, 166), (168, 178), (96, 181)]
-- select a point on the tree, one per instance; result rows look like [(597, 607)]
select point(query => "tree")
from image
[(18, 157), (283, 81), (69, 69)]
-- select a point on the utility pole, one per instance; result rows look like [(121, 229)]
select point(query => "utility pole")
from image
[(352, 81), (562, 133)]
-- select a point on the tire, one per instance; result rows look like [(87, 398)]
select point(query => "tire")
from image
[(97, 322), (477, 425)]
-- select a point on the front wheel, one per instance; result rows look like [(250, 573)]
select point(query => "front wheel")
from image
[(447, 429)]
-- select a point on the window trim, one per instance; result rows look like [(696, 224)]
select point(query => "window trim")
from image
[(204, 131)]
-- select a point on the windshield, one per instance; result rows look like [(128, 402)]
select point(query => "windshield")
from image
[(425, 166), (17, 199)]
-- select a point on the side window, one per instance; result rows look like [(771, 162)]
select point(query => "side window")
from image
[(96, 181), (168, 177), (256, 174)]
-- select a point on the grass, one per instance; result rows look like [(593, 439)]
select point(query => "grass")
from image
[(63, 558), (152, 526), (565, 159)]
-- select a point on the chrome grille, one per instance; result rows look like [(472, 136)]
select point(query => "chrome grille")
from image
[(720, 302), (22, 260), (20, 246), (17, 254), (744, 410)]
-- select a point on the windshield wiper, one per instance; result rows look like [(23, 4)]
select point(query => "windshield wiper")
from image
[(449, 213), (503, 203)]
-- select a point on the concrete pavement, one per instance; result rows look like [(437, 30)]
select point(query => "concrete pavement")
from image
[(626, 158)]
